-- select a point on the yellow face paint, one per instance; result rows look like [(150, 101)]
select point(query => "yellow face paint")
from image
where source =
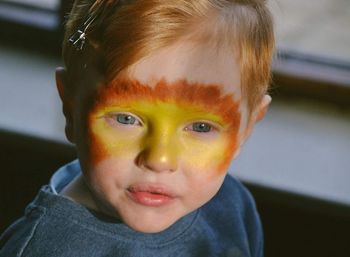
[(167, 121)]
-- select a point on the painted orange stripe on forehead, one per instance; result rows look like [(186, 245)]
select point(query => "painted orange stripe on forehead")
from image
[(207, 97)]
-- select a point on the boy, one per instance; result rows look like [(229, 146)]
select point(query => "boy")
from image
[(158, 96)]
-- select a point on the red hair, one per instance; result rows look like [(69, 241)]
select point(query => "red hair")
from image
[(127, 31)]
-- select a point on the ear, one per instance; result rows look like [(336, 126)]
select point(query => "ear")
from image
[(257, 115), (67, 103), (263, 107)]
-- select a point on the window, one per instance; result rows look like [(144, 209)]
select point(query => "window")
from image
[(42, 14), (313, 43)]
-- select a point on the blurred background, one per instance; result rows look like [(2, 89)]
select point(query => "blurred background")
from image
[(296, 164)]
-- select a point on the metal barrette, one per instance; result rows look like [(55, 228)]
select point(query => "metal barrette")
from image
[(79, 37)]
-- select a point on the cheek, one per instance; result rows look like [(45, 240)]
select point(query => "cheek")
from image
[(106, 143), (108, 180), (211, 158), (201, 187), (109, 174)]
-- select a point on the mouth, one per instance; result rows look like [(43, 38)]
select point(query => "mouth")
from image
[(150, 195)]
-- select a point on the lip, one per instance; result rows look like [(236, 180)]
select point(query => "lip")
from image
[(150, 195)]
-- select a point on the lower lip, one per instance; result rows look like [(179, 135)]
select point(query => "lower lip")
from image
[(149, 199)]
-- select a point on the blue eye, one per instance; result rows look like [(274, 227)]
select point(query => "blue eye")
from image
[(201, 127), (126, 119)]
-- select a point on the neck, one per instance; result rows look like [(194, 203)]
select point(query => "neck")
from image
[(78, 192)]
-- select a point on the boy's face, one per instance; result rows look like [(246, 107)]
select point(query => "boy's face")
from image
[(155, 146)]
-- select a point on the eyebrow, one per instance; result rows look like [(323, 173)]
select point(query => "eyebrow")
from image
[(208, 97)]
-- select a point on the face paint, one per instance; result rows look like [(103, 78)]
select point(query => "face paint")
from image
[(182, 122), (159, 133)]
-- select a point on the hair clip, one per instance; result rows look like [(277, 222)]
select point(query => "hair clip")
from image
[(79, 37)]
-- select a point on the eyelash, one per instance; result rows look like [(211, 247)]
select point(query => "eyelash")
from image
[(114, 119)]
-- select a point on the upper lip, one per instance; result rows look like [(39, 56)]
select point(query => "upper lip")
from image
[(152, 188)]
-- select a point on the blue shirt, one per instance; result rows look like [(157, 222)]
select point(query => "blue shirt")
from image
[(228, 225)]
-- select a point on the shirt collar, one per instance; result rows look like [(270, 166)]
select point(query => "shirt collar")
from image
[(64, 175)]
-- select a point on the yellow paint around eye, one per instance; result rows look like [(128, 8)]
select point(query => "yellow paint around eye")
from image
[(165, 113), (163, 126)]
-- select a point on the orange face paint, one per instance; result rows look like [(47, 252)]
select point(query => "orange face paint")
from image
[(165, 109)]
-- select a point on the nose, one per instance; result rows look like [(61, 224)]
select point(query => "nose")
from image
[(159, 155)]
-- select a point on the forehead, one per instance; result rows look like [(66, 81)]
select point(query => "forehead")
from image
[(188, 74), (194, 62)]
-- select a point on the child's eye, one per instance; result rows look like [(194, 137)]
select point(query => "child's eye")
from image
[(124, 119), (201, 127)]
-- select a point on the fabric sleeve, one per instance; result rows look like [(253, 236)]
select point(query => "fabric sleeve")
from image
[(15, 239)]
